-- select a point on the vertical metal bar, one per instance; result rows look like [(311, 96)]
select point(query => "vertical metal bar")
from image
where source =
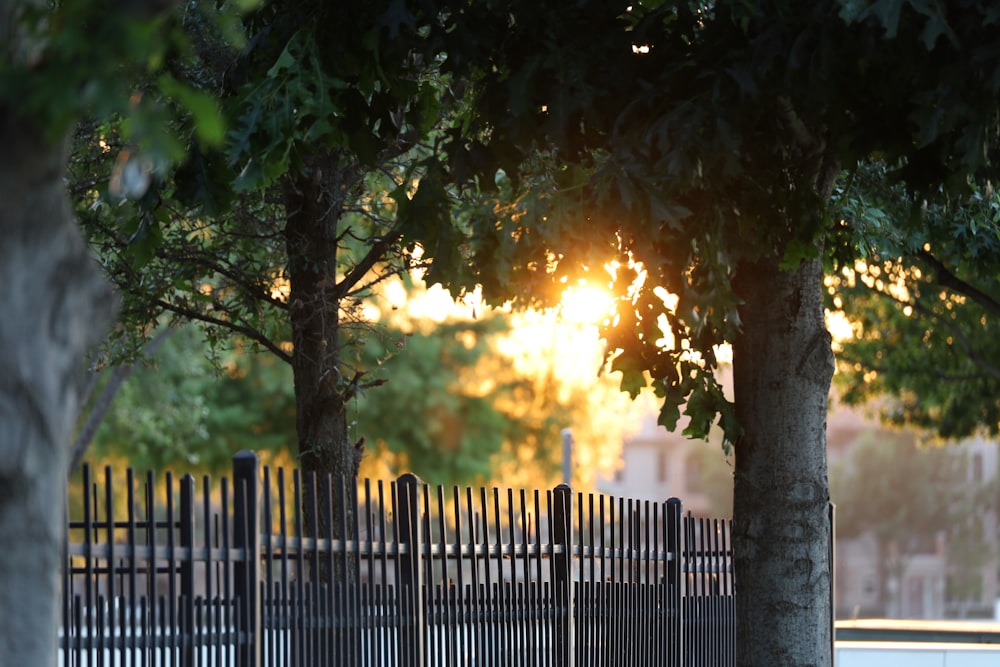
[(578, 586), (529, 580), (112, 597), (88, 563), (475, 637), (461, 643), (428, 561), (224, 615), (313, 497), (657, 620), (539, 599), (832, 514), (645, 629), (211, 630), (187, 569), (586, 605), (563, 576), (170, 623), (525, 583), (513, 593), (604, 634), (489, 599), (287, 625), (299, 588), (552, 624), (380, 648), (349, 498), (444, 631), (400, 619), (718, 621), (411, 582), (622, 544), (132, 565), (368, 597), (269, 626), (246, 475), (503, 631), (674, 572)]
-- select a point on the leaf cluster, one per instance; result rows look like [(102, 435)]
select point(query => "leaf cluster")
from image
[(684, 140), (924, 300)]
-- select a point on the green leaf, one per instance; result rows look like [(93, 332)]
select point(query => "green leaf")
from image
[(204, 180), (143, 244), (632, 369), (209, 126), (670, 412), (888, 13)]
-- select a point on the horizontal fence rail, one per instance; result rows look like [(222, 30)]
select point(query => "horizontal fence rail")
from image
[(277, 569)]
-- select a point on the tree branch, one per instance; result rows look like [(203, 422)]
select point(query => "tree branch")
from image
[(237, 279), (377, 251), (946, 278), (103, 403), (956, 333), (249, 332)]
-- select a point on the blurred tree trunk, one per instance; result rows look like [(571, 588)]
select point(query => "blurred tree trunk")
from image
[(54, 306)]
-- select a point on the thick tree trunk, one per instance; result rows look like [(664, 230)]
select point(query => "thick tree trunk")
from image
[(54, 305), (314, 204), (782, 370)]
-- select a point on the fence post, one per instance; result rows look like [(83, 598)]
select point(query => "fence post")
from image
[(187, 569), (246, 523), (674, 513), (833, 578), (562, 561), (411, 583)]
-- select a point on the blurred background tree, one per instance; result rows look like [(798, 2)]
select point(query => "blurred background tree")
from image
[(923, 303), (466, 400), (912, 498)]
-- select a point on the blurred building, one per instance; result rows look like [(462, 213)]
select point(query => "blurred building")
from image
[(657, 465)]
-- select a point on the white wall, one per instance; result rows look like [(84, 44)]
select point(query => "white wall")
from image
[(891, 654)]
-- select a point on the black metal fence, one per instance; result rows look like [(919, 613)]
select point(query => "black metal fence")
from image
[(236, 574)]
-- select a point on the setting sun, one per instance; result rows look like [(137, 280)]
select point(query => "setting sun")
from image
[(586, 304)]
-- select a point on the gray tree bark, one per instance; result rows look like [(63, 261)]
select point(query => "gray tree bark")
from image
[(782, 368), (54, 305)]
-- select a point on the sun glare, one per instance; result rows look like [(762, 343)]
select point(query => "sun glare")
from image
[(586, 304)]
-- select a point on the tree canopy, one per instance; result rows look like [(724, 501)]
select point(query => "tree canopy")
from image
[(699, 146), (923, 299), (657, 125)]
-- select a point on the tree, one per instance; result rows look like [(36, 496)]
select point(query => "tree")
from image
[(56, 64), (181, 410), (698, 145), (924, 301), (905, 495), (55, 305), (327, 184), (456, 408)]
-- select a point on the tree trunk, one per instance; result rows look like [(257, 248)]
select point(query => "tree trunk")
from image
[(53, 307), (314, 204), (782, 370)]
